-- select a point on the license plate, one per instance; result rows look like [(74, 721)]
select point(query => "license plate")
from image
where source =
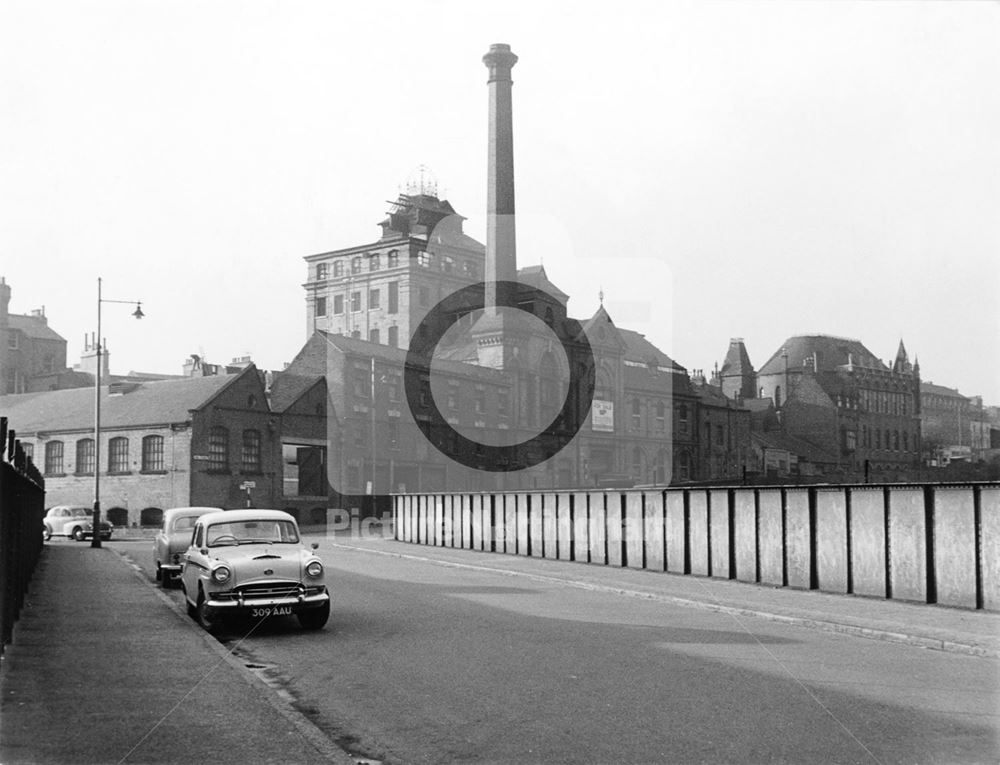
[(260, 613)]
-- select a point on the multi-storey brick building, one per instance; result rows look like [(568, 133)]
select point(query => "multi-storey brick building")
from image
[(833, 393), (32, 354), (955, 427)]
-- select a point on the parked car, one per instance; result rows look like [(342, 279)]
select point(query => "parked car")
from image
[(173, 538), (252, 563), (73, 521)]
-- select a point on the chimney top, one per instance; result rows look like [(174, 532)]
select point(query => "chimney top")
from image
[(499, 60)]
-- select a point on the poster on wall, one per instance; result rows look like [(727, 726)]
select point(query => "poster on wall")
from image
[(603, 416)]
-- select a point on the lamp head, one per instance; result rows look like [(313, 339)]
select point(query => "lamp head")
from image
[(138, 311)]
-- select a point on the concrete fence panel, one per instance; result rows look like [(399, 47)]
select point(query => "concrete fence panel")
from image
[(907, 544), (564, 526), (448, 530), (989, 554), (867, 532), (771, 530), (598, 528), (510, 510), (550, 528), (635, 530), (654, 532), (466, 510), (954, 540), (676, 532), (798, 536), (613, 507), (698, 538), (745, 521), (831, 539), (536, 528), (420, 535), (476, 512), (523, 529), (718, 529), (581, 528)]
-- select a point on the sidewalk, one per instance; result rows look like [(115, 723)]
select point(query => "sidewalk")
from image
[(102, 671), (956, 630)]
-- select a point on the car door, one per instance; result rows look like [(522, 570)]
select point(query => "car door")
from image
[(190, 562)]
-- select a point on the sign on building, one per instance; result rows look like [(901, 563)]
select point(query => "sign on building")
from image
[(603, 416)]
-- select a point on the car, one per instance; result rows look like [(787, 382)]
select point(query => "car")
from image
[(252, 563), (73, 521), (173, 539)]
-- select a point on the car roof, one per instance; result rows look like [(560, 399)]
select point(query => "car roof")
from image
[(186, 511), (84, 508), (246, 515)]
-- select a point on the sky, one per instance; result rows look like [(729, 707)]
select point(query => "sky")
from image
[(717, 170)]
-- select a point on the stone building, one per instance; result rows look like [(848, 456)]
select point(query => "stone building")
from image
[(955, 427), (163, 444)]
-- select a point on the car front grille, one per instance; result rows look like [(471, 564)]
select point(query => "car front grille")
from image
[(268, 590)]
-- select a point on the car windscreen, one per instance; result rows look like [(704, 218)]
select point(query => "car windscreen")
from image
[(184, 523), (252, 532)]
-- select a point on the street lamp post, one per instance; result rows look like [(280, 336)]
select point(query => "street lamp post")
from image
[(95, 538)]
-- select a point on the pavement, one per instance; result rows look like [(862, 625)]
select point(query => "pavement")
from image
[(105, 668)]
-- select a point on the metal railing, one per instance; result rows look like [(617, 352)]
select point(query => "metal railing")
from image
[(22, 509)]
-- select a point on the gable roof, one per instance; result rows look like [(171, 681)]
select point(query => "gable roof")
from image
[(831, 352), (638, 348), (535, 276), (34, 327), (150, 403), (287, 388)]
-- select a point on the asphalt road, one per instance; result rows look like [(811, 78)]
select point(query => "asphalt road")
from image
[(423, 663)]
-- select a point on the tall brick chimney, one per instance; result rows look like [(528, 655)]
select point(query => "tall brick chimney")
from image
[(501, 248), (4, 326)]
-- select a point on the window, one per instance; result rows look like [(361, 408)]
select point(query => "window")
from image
[(888, 442), (394, 336), (29, 450), (637, 462), (447, 263), (322, 270), (503, 402), (355, 302), (118, 455), (393, 259), (12, 340), (152, 453), (480, 402), (375, 262), (682, 417), (54, 458), (251, 451), (374, 300), (720, 434), (393, 297), (373, 336), (661, 416), (425, 297), (394, 388), (393, 435), (356, 334), (338, 268), (338, 305), (362, 383), (321, 306), (636, 416), (424, 259), (895, 440), (85, 456), (549, 316), (471, 269), (356, 265), (218, 448), (906, 441)]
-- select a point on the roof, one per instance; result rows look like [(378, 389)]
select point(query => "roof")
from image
[(797, 446), (535, 276), (287, 388), (235, 516), (35, 327), (638, 348), (940, 390), (174, 512), (831, 352), (737, 361), (149, 403)]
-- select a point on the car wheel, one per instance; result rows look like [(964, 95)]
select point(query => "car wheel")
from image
[(46, 533), (78, 534), (210, 621), (315, 618)]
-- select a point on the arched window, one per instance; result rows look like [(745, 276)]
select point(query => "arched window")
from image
[(218, 448), (151, 516), (393, 259), (251, 451), (85, 456), (118, 516), (777, 396), (118, 455), (54, 458), (152, 453)]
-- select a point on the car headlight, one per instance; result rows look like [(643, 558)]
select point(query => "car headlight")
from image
[(221, 574), (314, 569)]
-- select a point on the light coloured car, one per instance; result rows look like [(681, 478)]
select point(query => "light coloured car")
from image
[(252, 563), (173, 539), (74, 521)]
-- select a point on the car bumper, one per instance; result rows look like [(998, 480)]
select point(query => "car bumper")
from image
[(171, 569), (297, 603)]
